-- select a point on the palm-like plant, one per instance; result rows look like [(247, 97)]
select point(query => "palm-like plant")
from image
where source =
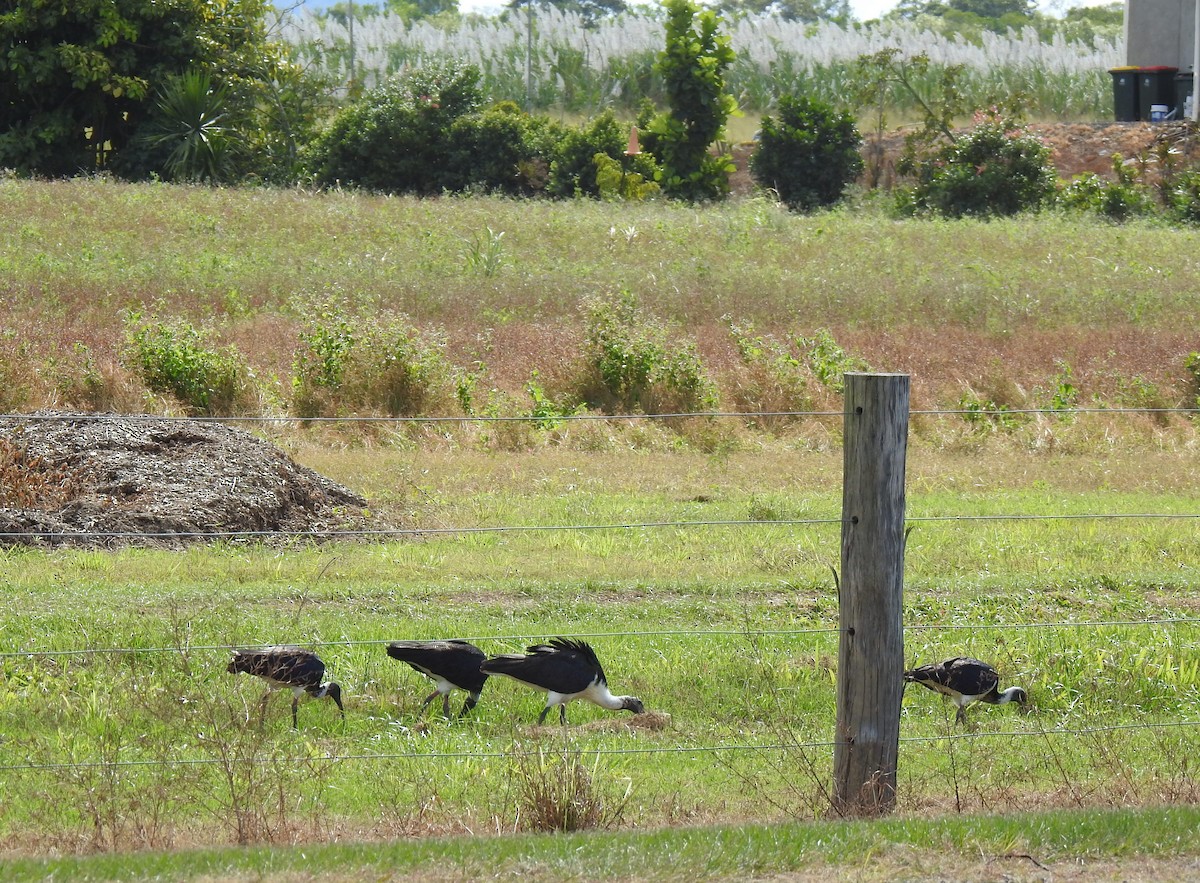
[(189, 120)]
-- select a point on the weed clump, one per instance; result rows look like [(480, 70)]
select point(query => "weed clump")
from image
[(558, 792), (379, 364), (173, 357), (632, 366)]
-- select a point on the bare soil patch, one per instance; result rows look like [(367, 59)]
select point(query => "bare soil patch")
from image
[(107, 480)]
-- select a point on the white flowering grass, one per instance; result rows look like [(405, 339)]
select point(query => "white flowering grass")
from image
[(582, 68)]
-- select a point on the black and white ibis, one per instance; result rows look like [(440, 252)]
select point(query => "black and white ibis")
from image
[(451, 665), (965, 681), (292, 668), (566, 670)]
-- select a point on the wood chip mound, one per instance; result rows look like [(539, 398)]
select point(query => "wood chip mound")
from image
[(103, 481)]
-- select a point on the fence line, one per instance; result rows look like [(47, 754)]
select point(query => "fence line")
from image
[(1075, 732), (690, 633), (66, 417), (527, 528)]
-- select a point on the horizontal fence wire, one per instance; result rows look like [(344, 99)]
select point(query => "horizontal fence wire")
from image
[(654, 633), (66, 417), (1074, 732), (530, 528)]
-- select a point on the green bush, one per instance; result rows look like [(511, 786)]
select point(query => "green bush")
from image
[(377, 364), (396, 137), (828, 360), (501, 150), (173, 358), (574, 170), (995, 169), (1184, 197), (771, 378), (634, 368), (808, 154), (1191, 365), (1117, 200)]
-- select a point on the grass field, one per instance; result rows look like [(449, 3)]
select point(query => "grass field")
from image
[(699, 563)]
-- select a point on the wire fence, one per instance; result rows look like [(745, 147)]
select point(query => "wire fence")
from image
[(748, 633), (585, 417), (1074, 732)]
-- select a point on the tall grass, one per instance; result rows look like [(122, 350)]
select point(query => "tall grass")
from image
[(583, 68), (254, 267)]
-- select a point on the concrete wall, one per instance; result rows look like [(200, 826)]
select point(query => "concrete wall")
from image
[(1159, 32)]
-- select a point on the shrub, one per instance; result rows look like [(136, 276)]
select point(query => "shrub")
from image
[(808, 155), (1184, 196), (575, 170), (995, 169), (374, 364), (1191, 364), (174, 358), (560, 793), (396, 137), (773, 377), (1117, 200), (632, 367), (828, 360), (501, 150)]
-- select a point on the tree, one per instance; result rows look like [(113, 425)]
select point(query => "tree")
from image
[(591, 10), (808, 11), (994, 8), (79, 78), (693, 68)]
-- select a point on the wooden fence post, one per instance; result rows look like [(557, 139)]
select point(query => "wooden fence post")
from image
[(871, 592)]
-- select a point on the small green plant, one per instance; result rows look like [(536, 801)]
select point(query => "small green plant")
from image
[(985, 413), (484, 252), (1065, 396), (174, 358), (1183, 196), (558, 792), (828, 360), (807, 154), (547, 414), (773, 377), (1191, 364)]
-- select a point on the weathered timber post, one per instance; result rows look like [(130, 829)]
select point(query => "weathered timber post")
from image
[(871, 591)]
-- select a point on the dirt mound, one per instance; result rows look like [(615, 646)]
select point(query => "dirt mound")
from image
[(104, 481)]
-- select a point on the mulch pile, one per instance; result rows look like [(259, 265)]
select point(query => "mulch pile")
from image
[(104, 481)]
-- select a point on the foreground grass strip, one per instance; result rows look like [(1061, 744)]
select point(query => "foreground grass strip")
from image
[(694, 853)]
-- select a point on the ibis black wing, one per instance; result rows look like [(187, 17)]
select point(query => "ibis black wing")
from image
[(457, 661), (560, 667), (962, 674), (970, 676)]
